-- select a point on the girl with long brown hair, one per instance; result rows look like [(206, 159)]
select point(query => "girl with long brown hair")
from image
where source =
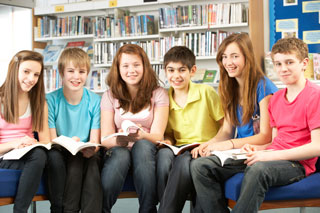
[(134, 94), (245, 93), (23, 110)]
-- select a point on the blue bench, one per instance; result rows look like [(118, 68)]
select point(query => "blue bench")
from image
[(9, 183), (304, 193)]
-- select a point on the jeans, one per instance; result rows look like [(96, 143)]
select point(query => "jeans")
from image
[(179, 185), (117, 162), (165, 159), (74, 182), (32, 165), (208, 178), (262, 175)]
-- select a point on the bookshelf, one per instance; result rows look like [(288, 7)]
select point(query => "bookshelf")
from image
[(155, 44)]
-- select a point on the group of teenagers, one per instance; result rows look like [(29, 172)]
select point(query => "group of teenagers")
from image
[(249, 113)]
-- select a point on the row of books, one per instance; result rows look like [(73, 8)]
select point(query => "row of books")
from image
[(197, 15), (109, 27), (104, 52), (52, 79), (51, 26), (52, 52)]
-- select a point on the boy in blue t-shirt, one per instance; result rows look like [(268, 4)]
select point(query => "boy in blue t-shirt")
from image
[(74, 181)]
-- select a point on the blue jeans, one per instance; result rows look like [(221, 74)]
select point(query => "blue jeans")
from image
[(117, 163), (32, 166), (165, 159), (262, 175), (208, 178), (179, 185)]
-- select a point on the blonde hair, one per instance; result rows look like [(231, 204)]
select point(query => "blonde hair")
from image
[(10, 89), (77, 56)]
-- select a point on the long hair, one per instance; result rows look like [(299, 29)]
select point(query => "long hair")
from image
[(118, 87), (10, 89), (229, 90)]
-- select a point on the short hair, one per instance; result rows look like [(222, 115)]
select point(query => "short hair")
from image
[(291, 46), (180, 54), (77, 56)]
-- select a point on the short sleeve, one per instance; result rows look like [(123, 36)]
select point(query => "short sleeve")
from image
[(214, 104), (51, 110), (161, 97), (265, 87), (96, 113), (107, 101), (313, 112)]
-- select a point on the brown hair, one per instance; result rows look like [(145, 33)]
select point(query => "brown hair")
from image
[(118, 87), (291, 45), (10, 89), (180, 54), (77, 56), (229, 88)]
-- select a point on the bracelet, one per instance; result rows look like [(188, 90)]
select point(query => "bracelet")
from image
[(232, 143)]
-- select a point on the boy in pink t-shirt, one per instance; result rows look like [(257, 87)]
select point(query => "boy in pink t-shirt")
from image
[(294, 116)]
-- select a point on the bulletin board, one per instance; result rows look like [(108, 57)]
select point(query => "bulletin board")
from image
[(298, 18)]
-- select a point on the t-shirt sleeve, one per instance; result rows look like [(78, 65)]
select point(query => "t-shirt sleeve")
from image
[(161, 97), (96, 114), (313, 112), (271, 119), (51, 109), (107, 101), (214, 104), (265, 87)]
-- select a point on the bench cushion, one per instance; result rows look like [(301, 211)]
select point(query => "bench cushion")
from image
[(308, 187), (9, 179)]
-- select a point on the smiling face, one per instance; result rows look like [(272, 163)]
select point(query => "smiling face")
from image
[(131, 69), (179, 75), (233, 60), (74, 78), (29, 72), (289, 68)]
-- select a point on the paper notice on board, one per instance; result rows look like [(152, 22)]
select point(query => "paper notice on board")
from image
[(286, 25), (311, 37), (310, 6)]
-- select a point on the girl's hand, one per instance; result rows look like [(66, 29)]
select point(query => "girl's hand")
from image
[(76, 138), (23, 142), (216, 146), (166, 142), (249, 148)]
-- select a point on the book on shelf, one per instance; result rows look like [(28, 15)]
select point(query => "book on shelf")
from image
[(79, 44), (309, 72), (52, 52), (210, 76), (316, 66), (68, 143), (127, 127), (198, 76), (177, 150)]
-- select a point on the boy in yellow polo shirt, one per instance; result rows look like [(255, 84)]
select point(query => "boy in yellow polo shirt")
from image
[(195, 115)]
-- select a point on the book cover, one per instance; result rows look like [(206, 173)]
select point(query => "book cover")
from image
[(177, 150), (126, 127), (52, 52), (316, 66), (209, 76)]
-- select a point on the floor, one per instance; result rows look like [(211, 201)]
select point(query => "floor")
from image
[(131, 205)]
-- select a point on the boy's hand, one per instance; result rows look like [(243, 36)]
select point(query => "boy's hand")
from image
[(259, 156), (195, 152), (76, 138), (88, 152)]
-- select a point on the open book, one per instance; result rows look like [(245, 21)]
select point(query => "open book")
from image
[(68, 143), (179, 150), (126, 126), (234, 154)]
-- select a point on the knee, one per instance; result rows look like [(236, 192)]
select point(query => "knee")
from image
[(257, 169), (142, 146), (197, 166), (39, 155), (117, 158), (164, 160)]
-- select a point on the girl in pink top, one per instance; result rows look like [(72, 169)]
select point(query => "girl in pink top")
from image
[(134, 95), (22, 111)]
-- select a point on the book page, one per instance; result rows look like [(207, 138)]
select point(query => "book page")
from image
[(16, 154), (178, 150), (71, 145)]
